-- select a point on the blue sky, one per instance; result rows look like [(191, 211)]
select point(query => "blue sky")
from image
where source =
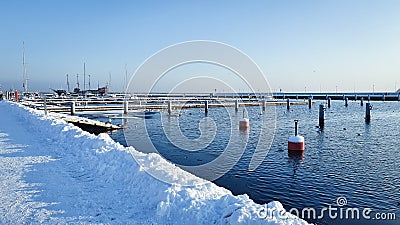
[(298, 45)]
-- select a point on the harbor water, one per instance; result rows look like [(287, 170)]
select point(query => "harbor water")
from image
[(348, 159)]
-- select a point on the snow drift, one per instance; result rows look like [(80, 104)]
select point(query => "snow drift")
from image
[(53, 172)]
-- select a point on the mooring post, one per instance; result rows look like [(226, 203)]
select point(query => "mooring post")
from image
[(369, 97), (297, 97), (169, 108), (383, 97), (72, 108), (45, 106), (346, 102), (236, 105), (329, 102), (321, 115), (126, 107), (206, 107), (367, 111), (288, 104), (362, 101), (355, 97), (309, 103), (263, 104)]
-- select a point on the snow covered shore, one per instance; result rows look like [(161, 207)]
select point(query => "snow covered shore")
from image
[(53, 172)]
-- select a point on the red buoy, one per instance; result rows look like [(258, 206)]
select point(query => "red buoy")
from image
[(296, 142), (16, 96), (244, 123)]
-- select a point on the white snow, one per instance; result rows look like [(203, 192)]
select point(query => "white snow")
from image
[(296, 139), (53, 172)]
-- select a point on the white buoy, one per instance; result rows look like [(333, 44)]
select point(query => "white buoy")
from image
[(244, 123), (296, 142)]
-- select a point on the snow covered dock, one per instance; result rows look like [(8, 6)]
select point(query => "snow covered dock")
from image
[(53, 172)]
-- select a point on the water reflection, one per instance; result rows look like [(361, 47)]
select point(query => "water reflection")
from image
[(295, 160)]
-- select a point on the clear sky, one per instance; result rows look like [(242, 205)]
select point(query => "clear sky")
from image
[(313, 45)]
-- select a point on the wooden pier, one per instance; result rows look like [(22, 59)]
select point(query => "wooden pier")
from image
[(64, 106)]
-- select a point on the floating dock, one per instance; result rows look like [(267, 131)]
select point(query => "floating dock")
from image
[(89, 125)]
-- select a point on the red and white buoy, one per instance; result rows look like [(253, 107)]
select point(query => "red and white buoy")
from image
[(296, 142), (244, 123)]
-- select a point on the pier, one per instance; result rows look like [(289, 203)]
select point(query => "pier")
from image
[(354, 96), (149, 102)]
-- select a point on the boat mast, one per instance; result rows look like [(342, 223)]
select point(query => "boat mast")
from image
[(25, 82), (126, 78), (84, 76), (67, 83), (77, 80), (109, 81), (89, 81)]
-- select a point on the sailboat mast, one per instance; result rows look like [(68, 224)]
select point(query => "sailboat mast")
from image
[(84, 76), (67, 84), (77, 80), (126, 78), (25, 83), (109, 81)]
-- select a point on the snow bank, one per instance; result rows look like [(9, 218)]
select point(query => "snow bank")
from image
[(92, 179)]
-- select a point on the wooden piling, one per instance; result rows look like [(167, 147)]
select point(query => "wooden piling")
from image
[(329, 102), (288, 104), (321, 115), (169, 108), (368, 112), (126, 108), (236, 105), (72, 108), (45, 106), (263, 104)]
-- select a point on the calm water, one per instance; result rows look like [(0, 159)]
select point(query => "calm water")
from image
[(348, 158)]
